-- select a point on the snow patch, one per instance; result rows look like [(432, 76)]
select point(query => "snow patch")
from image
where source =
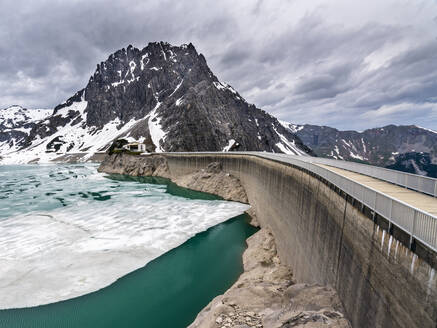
[(224, 86), (75, 107), (132, 67), (294, 128), (172, 56), (356, 156), (142, 61), (219, 86), (156, 132), (231, 143), (120, 81), (338, 152), (364, 145), (177, 87), (429, 130), (180, 101), (287, 146), (163, 52)]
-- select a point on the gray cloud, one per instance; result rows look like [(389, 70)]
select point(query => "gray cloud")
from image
[(304, 61)]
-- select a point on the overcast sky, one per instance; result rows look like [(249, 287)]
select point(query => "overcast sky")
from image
[(349, 64)]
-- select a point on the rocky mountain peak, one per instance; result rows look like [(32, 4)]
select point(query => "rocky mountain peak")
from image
[(139, 79), (165, 96)]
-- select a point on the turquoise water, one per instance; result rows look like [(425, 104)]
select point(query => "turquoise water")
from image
[(34, 188), (67, 230), (167, 292)]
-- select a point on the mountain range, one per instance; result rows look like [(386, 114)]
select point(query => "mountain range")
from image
[(162, 95), (407, 148), (167, 97)]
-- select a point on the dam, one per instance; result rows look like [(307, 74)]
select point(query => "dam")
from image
[(369, 232)]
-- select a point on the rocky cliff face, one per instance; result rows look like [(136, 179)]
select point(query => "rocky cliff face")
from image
[(265, 295), (163, 95), (417, 163), (212, 179), (406, 148)]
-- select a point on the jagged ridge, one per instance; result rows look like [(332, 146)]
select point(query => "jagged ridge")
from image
[(407, 148)]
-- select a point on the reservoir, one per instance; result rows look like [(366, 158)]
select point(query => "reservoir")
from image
[(180, 248)]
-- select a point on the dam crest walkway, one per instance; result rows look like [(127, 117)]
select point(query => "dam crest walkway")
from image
[(408, 201)]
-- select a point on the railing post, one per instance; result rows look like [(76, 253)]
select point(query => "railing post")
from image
[(391, 210), (374, 204), (413, 230)]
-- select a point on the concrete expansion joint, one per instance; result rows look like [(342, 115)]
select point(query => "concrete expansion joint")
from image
[(340, 244)]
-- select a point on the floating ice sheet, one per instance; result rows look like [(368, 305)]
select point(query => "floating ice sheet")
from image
[(105, 230)]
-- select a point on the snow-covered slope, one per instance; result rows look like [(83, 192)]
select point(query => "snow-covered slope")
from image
[(165, 96), (16, 123), (71, 138), (16, 116), (408, 148)]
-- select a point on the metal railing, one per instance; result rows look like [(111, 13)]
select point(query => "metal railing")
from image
[(419, 224), (415, 182)]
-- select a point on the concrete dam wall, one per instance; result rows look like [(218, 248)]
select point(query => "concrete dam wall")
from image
[(329, 238)]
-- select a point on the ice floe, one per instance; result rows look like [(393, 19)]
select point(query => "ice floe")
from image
[(52, 255)]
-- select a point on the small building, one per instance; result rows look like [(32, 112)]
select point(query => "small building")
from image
[(135, 147)]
